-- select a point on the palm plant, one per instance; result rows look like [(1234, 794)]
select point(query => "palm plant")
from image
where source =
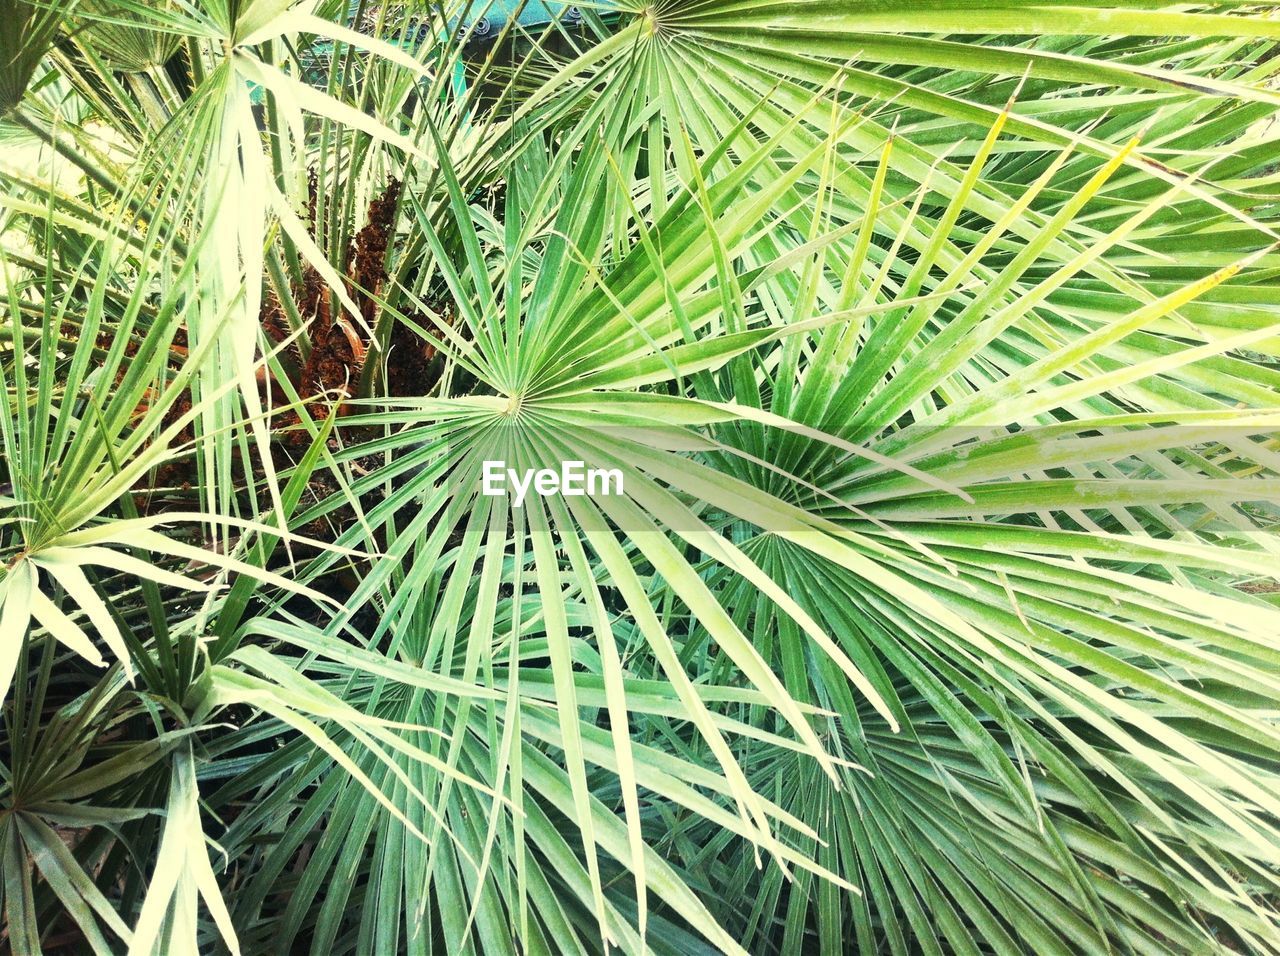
[(936, 347)]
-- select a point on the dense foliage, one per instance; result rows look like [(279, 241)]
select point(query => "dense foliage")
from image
[(936, 341)]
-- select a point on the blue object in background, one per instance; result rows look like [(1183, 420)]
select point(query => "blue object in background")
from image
[(487, 20), (490, 19)]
